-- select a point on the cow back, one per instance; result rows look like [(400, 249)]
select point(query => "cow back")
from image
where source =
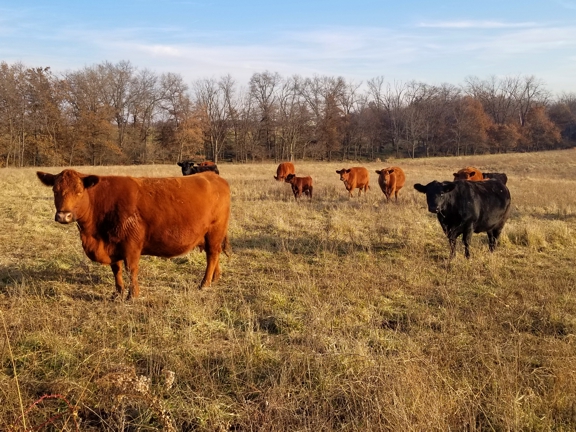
[(485, 204), (168, 216), (498, 176), (283, 170), (358, 177)]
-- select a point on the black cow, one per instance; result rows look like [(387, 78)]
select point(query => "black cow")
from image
[(188, 168), (464, 207), (498, 176)]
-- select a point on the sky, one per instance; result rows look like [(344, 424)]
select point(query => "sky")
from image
[(434, 42)]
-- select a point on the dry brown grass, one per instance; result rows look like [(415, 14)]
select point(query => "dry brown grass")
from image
[(333, 314)]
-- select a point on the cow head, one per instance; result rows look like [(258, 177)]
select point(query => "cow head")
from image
[(435, 194), (468, 173), (344, 174), (69, 189), (385, 174), (187, 167), (290, 178)]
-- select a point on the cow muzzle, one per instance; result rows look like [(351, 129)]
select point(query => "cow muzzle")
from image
[(64, 217)]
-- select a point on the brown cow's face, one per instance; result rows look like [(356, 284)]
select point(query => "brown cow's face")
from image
[(468, 173), (344, 174), (463, 175), (69, 189), (386, 174)]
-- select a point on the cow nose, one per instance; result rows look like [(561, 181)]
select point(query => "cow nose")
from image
[(64, 217)]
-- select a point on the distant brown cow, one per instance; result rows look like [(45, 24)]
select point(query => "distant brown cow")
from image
[(469, 173), (355, 177), (206, 163), (391, 180), (283, 170), (300, 185), (122, 218)]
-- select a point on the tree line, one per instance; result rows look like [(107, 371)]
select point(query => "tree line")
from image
[(119, 114)]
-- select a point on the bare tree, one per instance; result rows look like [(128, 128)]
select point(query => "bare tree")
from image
[(210, 98), (90, 115), (13, 113), (263, 88)]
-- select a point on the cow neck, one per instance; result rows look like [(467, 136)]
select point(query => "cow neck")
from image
[(86, 220)]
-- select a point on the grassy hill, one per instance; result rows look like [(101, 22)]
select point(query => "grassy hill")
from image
[(331, 314)]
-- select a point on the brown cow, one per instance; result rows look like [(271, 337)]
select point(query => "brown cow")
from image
[(300, 185), (283, 170), (122, 218), (469, 173), (206, 163), (391, 180), (355, 177)]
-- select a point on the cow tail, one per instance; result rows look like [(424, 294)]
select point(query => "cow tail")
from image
[(226, 248)]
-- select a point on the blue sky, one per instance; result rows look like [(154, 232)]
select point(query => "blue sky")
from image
[(430, 41)]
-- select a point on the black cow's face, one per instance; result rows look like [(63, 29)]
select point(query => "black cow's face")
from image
[(435, 194), (187, 167)]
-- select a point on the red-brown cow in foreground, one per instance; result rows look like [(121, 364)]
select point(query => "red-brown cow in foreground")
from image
[(122, 218), (391, 180), (355, 177), (300, 185), (469, 173), (283, 170)]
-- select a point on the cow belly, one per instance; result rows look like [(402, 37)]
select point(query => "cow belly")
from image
[(173, 242), (170, 249)]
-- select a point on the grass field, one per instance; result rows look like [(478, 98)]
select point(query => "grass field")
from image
[(331, 314)]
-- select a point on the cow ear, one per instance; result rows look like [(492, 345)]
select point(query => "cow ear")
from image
[(390, 171), (472, 174), (180, 164), (448, 187), (90, 181), (420, 188), (46, 178), (378, 172), (455, 175), (348, 170)]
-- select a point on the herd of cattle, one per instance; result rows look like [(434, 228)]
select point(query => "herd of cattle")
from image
[(121, 218)]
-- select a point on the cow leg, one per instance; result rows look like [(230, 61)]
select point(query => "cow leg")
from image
[(213, 249), (466, 237), (452, 242), (493, 236), (132, 267), (117, 270)]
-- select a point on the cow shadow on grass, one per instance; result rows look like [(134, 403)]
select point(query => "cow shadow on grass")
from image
[(557, 216), (309, 245), (77, 283)]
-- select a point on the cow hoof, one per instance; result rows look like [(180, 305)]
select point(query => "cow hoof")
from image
[(116, 296)]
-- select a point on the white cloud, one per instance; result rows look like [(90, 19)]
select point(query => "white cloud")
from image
[(425, 52), (469, 24)]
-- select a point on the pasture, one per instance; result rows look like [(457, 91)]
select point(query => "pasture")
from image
[(331, 314)]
